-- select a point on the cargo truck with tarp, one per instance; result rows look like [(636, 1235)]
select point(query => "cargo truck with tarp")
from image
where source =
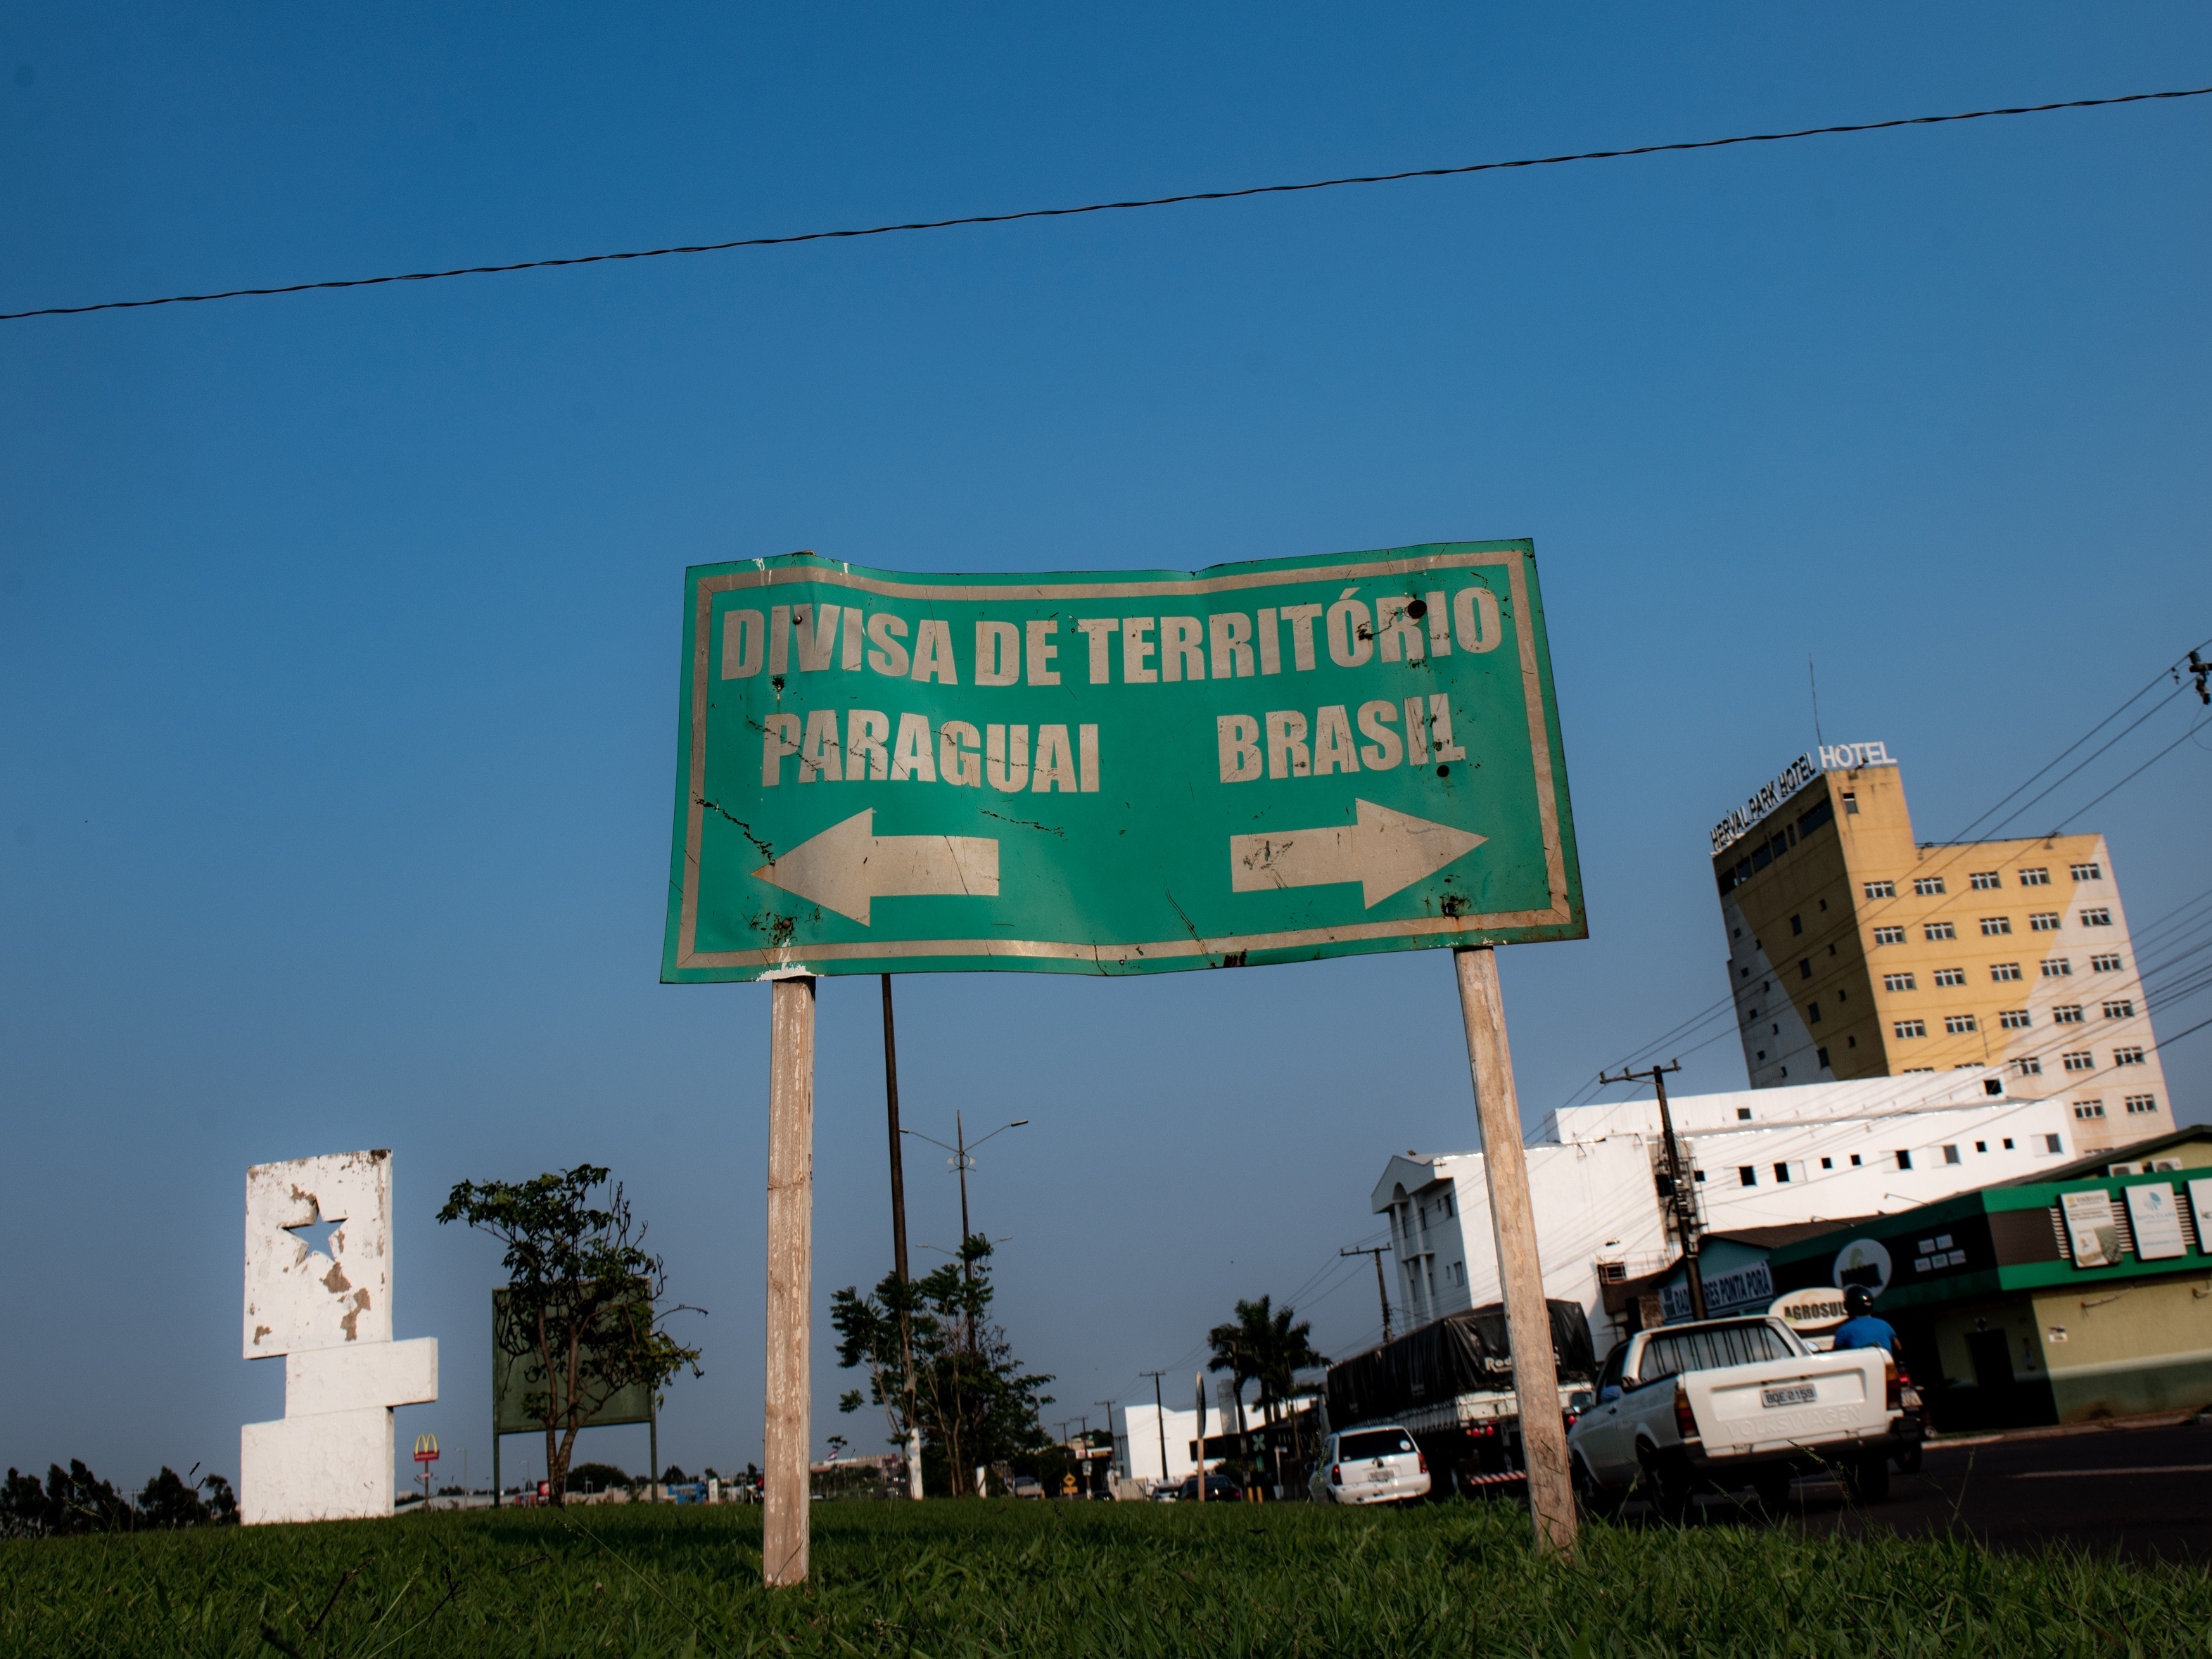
[(1450, 1384)]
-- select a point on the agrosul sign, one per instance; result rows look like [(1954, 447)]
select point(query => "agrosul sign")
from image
[(1119, 773)]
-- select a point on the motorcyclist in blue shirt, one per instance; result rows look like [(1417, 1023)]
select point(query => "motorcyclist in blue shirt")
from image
[(1861, 1327)]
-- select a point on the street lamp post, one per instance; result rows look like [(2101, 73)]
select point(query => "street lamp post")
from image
[(962, 1160)]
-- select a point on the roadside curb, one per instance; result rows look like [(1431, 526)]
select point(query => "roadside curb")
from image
[(2064, 1430)]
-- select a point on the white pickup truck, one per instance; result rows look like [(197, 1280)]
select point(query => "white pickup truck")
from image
[(1723, 1404)]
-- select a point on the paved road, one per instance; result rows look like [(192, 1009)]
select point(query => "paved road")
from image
[(2144, 1492)]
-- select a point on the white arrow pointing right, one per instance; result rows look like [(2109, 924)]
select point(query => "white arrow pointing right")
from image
[(1385, 852)]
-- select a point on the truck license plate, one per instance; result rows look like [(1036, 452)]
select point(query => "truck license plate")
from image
[(1797, 1393)]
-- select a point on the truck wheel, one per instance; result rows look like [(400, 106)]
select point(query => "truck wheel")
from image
[(1867, 1480), (1599, 1502), (1771, 1487)]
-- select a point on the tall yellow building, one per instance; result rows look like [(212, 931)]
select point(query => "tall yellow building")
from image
[(1854, 952)]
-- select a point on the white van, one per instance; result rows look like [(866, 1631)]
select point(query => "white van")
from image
[(1371, 1466)]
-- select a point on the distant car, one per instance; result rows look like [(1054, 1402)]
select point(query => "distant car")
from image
[(1025, 1485), (1370, 1466), (1219, 1489)]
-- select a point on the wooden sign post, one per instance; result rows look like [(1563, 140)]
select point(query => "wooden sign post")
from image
[(1519, 1274), (784, 1496)]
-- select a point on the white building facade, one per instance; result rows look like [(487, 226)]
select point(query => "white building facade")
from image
[(1756, 1157)]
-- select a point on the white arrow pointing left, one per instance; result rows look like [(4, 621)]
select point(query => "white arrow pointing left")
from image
[(848, 864), (1385, 852)]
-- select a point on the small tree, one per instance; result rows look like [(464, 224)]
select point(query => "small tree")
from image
[(1266, 1345), (582, 1294), (972, 1401)]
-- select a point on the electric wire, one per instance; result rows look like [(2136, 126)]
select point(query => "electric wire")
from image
[(1954, 849), (1114, 207), (2192, 731)]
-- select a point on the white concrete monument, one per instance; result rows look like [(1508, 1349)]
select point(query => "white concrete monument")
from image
[(318, 1294)]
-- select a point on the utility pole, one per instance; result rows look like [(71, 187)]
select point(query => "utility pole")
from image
[(1683, 1198), (898, 1245), (1159, 1422), (1382, 1286), (1202, 1437)]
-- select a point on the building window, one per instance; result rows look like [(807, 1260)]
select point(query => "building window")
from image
[(2080, 1062), (2138, 1104), (1950, 1154), (2128, 1056), (1950, 977), (1782, 1172), (1993, 926), (1904, 1159), (1981, 1145), (2035, 877), (1855, 1160), (1928, 886), (2088, 1108), (2044, 921), (2056, 968), (2124, 1009), (2002, 971), (1939, 930), (1911, 1028), (1889, 936), (1805, 968), (1743, 1114), (1984, 881), (1797, 924), (2067, 1013), (1827, 1163), (2015, 1019), (1813, 1015), (1958, 1025), (2086, 873), (2051, 1143), (2029, 1068), (2008, 1143), (2105, 962), (1914, 1071), (1850, 802), (1881, 890), (1820, 1057), (1747, 1175), (2100, 917), (1898, 982)]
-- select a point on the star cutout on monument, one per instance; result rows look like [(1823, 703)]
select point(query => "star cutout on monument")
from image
[(316, 1234)]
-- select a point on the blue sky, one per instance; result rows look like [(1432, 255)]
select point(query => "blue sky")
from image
[(338, 632)]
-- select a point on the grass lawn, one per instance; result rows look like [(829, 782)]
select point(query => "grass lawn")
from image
[(952, 1578)]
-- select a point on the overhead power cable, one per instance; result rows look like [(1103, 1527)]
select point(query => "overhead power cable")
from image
[(1114, 207), (1952, 852)]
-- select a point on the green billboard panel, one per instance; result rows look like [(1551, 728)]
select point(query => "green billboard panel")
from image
[(516, 1377), (1121, 773)]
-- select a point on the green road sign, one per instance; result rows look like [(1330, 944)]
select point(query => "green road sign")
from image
[(518, 1382), (1120, 773)]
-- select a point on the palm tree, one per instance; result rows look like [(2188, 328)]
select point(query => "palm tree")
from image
[(1266, 1345)]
